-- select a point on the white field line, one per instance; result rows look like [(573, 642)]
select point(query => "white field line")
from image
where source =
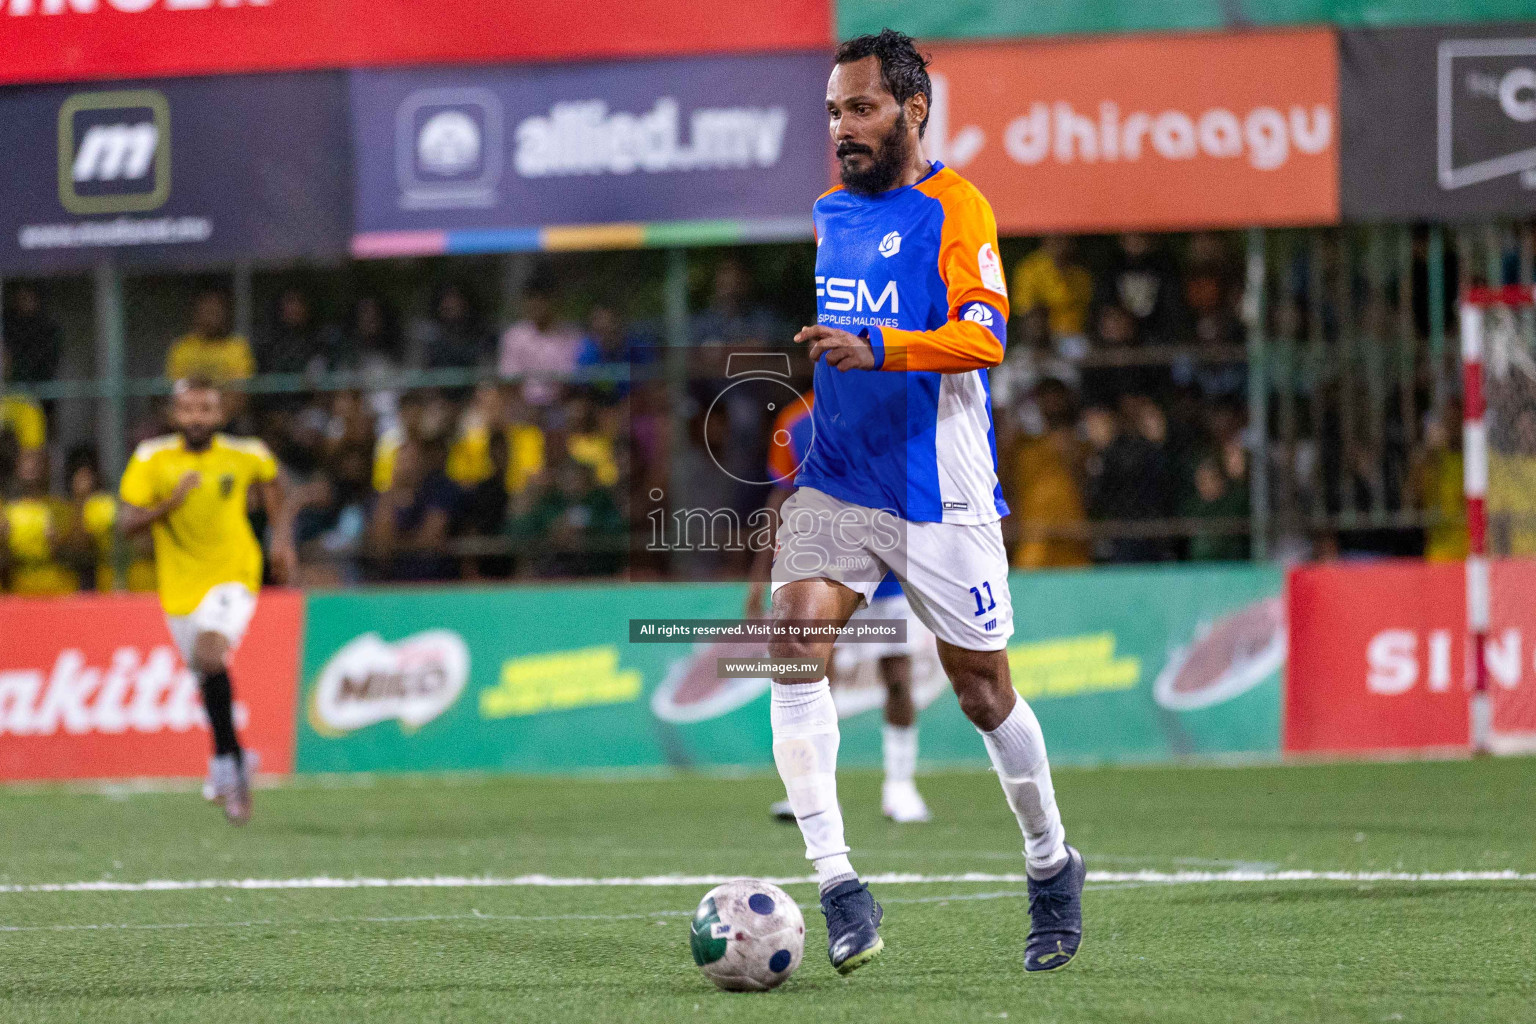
[(473, 915), (540, 881)]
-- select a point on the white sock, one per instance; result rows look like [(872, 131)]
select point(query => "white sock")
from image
[(899, 743), (805, 739), (1017, 749)]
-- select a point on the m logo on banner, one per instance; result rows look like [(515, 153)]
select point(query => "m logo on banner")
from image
[(114, 151), (1486, 123)]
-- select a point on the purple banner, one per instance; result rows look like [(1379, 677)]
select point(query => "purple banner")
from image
[(490, 156), (179, 171)]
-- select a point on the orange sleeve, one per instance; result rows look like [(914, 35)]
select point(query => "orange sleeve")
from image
[(974, 335)]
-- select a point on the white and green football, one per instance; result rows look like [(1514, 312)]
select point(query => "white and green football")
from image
[(747, 935)]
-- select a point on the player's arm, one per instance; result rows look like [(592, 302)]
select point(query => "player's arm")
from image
[(138, 514), (976, 333), (277, 499)]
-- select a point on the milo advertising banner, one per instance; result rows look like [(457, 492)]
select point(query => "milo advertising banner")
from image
[(1118, 664)]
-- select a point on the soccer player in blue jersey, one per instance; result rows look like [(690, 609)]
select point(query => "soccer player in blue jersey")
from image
[(902, 477), (899, 799)]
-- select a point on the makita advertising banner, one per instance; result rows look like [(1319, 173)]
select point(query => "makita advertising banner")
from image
[(92, 687), (72, 40), (1379, 657), (482, 159), (1162, 133), (174, 171), (1439, 123), (1120, 665)]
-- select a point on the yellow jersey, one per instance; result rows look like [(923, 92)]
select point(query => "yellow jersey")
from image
[(35, 528), (207, 540), (23, 417), (1065, 292), (469, 457), (99, 517), (221, 360)]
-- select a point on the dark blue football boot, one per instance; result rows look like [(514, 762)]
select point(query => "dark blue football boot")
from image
[(852, 917), (1056, 916)]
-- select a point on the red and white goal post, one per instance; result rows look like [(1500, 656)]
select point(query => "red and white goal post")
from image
[(1498, 362)]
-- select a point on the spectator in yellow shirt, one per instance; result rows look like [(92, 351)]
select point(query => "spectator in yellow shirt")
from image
[(23, 419), (1046, 494), (210, 350), (40, 533), (1437, 478), (95, 509), (1050, 278)]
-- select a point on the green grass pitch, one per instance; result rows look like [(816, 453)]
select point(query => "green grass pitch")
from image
[(1221, 951)]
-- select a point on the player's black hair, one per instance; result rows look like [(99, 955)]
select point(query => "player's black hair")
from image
[(902, 68)]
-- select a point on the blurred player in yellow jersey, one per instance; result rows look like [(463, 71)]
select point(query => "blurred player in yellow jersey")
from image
[(190, 488)]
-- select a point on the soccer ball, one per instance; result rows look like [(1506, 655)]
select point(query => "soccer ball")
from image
[(747, 936)]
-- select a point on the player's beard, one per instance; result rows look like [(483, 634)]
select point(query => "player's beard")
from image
[(885, 163), (197, 438)]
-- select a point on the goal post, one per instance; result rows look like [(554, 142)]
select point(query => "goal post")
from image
[(1498, 361)]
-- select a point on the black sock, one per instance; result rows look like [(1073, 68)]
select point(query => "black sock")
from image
[(218, 701)]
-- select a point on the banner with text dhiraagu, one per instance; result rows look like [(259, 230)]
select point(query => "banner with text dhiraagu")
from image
[(1120, 665), (697, 150), (1161, 133)]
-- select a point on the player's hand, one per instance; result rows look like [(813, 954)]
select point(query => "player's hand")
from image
[(189, 480), (844, 351), (284, 559)]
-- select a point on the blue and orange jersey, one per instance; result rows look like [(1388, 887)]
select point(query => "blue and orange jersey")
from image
[(793, 432), (916, 270)]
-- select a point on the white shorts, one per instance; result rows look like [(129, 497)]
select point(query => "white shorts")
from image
[(954, 574), (226, 610)]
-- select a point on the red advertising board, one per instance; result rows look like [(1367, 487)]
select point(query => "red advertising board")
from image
[(1164, 132), (1378, 654), (68, 40), (92, 687)]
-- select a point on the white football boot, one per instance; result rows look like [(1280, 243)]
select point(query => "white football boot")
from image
[(211, 793)]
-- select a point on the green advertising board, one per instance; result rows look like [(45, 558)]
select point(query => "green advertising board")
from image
[(1127, 665), (975, 19)]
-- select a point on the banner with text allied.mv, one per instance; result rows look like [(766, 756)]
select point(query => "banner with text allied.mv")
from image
[(618, 154)]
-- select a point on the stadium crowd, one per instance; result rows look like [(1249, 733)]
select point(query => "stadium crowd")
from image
[(1121, 414)]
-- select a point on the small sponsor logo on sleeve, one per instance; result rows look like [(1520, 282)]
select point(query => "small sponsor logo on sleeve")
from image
[(981, 313), (990, 268)]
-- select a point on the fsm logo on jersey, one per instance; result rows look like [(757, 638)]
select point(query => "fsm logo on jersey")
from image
[(114, 151)]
